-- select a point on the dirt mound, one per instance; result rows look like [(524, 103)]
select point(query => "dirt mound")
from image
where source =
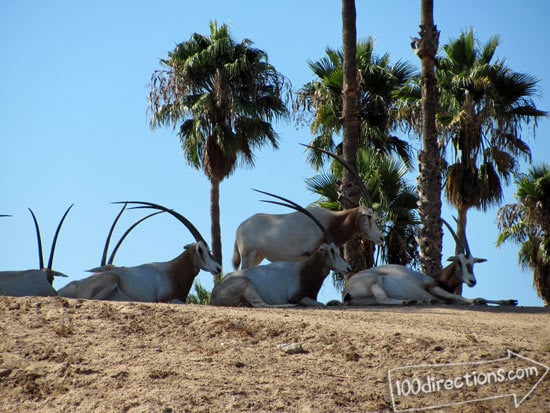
[(73, 355)]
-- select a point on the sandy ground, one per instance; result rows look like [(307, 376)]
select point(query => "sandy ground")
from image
[(73, 355)]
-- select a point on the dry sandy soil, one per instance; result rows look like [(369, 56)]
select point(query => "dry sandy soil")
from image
[(73, 355)]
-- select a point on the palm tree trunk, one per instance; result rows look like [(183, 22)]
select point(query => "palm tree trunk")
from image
[(215, 226), (429, 178), (462, 220), (541, 281), (351, 126)]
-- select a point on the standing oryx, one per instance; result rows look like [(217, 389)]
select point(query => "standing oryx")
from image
[(154, 282), (283, 283), (397, 285), (292, 237), (33, 282)]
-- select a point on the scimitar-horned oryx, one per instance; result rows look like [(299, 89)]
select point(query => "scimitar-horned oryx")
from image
[(153, 282), (34, 282), (292, 237), (398, 285), (283, 283)]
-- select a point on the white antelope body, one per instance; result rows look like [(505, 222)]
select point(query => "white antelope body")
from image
[(292, 237), (399, 285), (33, 282), (282, 283), (25, 283), (153, 282)]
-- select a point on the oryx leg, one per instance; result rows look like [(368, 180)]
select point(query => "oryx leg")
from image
[(251, 259), (366, 290), (103, 287), (251, 296), (310, 302), (382, 298), (499, 302), (454, 298), (458, 299), (238, 291)]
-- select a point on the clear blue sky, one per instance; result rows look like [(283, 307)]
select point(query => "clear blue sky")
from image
[(73, 125)]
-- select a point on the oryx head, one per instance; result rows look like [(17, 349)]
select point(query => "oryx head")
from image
[(463, 259), (367, 217), (368, 225), (203, 257), (334, 259)]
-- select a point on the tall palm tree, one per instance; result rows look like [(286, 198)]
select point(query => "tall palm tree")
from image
[(394, 197), (429, 177), (350, 120), (222, 97), (528, 223), (483, 106)]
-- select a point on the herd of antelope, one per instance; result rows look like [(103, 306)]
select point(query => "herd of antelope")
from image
[(302, 247)]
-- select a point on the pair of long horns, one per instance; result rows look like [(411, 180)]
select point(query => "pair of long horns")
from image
[(292, 205), (49, 268), (460, 247), (353, 171), (149, 205), (123, 237)]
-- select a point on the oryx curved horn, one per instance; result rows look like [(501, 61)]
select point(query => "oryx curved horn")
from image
[(346, 165), (459, 244), (54, 242), (192, 229), (293, 205), (48, 269), (110, 234), (39, 239), (119, 243)]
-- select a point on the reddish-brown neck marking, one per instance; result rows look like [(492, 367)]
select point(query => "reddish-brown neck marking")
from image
[(313, 272), (344, 225), (182, 271), (449, 277)]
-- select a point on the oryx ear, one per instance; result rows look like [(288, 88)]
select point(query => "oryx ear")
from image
[(453, 259), (479, 260)]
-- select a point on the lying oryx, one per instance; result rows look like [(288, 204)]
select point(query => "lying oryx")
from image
[(398, 285), (33, 282), (292, 237), (283, 283), (154, 282)]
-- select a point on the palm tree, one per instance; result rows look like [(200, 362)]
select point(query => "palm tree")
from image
[(483, 106), (528, 223), (350, 119), (429, 177), (222, 97), (394, 197)]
